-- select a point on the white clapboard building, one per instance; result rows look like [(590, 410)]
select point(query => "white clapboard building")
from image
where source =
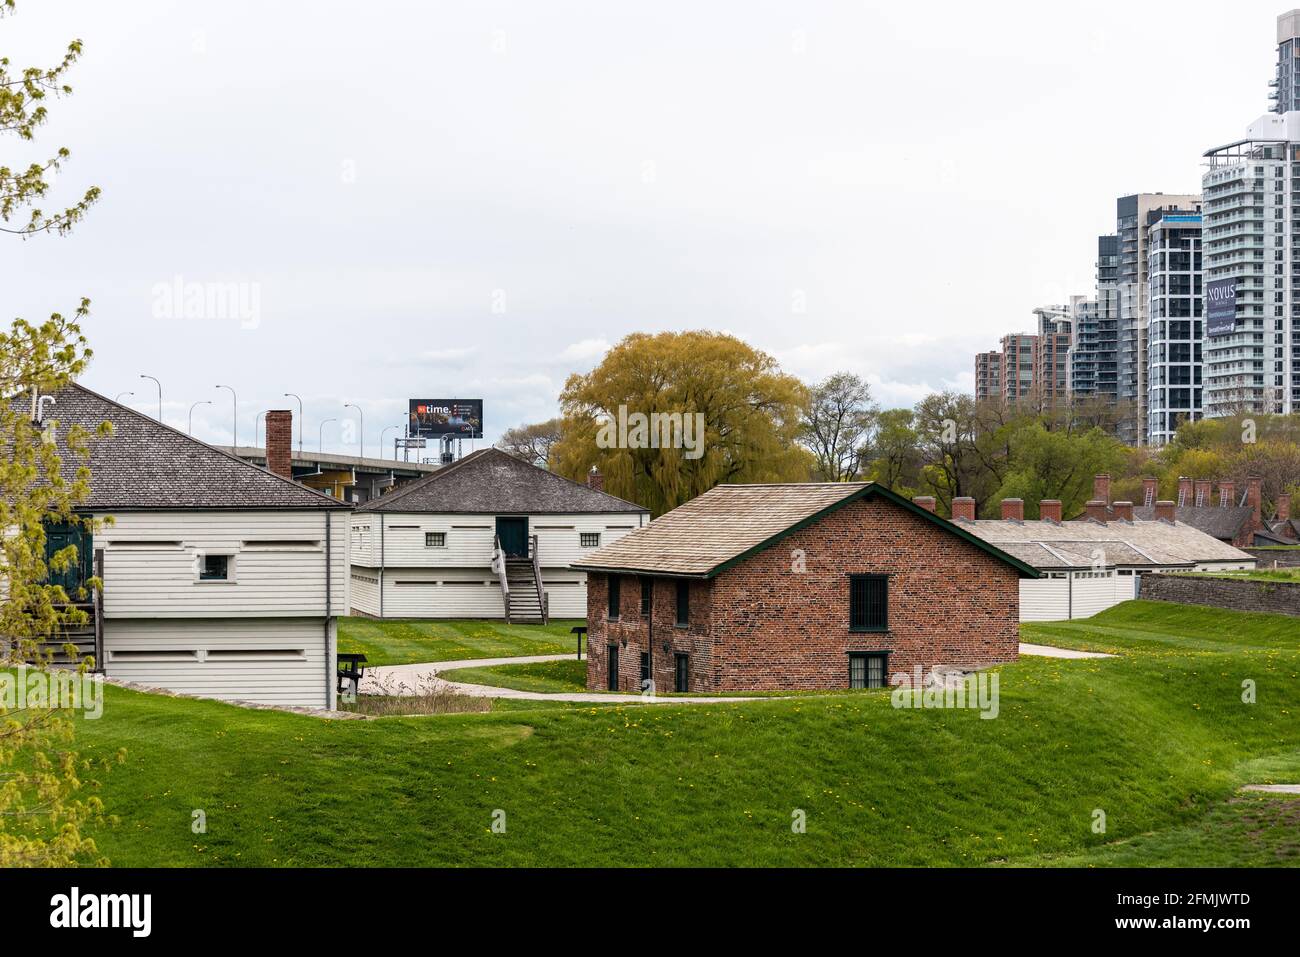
[(490, 536), (221, 578)]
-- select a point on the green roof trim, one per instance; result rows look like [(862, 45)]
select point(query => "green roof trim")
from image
[(871, 490)]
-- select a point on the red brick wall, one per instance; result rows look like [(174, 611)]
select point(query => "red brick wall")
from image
[(761, 625)]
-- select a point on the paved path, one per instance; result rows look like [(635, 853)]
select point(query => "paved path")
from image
[(410, 679), (1047, 651), (1274, 788)]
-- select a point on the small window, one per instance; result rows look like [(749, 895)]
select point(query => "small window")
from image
[(589, 539), (681, 672), (868, 603), (683, 603), (645, 669), (866, 670), (435, 539), (613, 597), (647, 589), (214, 568)]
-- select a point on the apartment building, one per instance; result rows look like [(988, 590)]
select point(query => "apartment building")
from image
[(1019, 352), (1132, 214), (1176, 331), (1052, 353), (1286, 87), (988, 375), (1252, 270)]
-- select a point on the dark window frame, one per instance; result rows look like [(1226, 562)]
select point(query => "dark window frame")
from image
[(585, 539), (613, 606), (435, 539), (860, 607), (865, 657), (206, 576), (683, 604), (647, 591)]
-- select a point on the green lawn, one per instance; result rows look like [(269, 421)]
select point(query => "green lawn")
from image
[(1257, 574), (400, 642), (546, 676), (1159, 739)]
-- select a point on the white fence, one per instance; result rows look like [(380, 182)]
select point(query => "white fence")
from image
[(1059, 599)]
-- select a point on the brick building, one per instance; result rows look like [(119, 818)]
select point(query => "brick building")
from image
[(752, 587)]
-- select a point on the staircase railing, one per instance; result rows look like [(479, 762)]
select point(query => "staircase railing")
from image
[(537, 579), (499, 566)]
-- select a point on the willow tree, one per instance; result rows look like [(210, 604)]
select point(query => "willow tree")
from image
[(44, 814), (666, 417)]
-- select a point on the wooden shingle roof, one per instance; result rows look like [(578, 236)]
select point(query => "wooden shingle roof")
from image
[(730, 522), (494, 482), (147, 465)]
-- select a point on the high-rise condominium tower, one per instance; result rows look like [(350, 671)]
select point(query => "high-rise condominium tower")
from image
[(1251, 243), (1176, 330), (1286, 88), (1132, 216)]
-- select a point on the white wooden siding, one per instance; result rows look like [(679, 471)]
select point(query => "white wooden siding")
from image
[(469, 538), (270, 660), (278, 564), (458, 592), (1057, 599)]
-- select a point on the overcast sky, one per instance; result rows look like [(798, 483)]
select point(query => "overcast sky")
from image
[(476, 199)]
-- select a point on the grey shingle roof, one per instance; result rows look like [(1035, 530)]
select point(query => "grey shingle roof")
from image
[(726, 523), (490, 481), (147, 465), (1133, 544), (1221, 523)]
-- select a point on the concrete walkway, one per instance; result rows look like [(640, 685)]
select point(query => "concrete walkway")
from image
[(407, 680), (1047, 651), (1274, 788)]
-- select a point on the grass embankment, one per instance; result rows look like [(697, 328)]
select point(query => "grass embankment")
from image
[(400, 642), (549, 677), (1159, 739)]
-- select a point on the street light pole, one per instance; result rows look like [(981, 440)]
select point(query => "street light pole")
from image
[(119, 396), (234, 408), (382, 433), (159, 385), (290, 395), (361, 428), (320, 445), (257, 428), (192, 408)]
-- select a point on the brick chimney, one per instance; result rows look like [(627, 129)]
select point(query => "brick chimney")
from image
[(925, 501), (1124, 511), (1204, 493), (1101, 488), (595, 479), (1185, 491), (1150, 491), (963, 509), (1255, 499), (1095, 510), (1049, 510), (279, 442), (1284, 507), (1013, 509), (1227, 494), (1165, 511)]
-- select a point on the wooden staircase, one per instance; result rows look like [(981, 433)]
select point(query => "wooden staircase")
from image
[(522, 594)]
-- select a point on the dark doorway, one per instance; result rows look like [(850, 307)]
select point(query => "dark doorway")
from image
[(513, 534), (59, 535), (681, 672), (612, 683)]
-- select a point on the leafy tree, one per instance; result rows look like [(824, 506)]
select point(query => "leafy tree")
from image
[(43, 815), (1060, 465), (837, 425), (750, 413), (895, 454), (534, 443)]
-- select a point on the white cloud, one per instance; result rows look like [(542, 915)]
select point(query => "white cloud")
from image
[(585, 350)]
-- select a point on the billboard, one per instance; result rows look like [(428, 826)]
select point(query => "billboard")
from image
[(433, 418), (1221, 307)]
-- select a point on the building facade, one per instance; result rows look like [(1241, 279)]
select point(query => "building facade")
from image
[(1285, 95), (776, 587), (1251, 253), (1174, 350), (988, 376), (1052, 354)]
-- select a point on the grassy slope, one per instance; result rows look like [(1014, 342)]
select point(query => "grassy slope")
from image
[(546, 676), (397, 642), (1158, 738)]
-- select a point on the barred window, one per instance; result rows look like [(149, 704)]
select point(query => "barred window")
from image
[(589, 539), (435, 539), (613, 596), (868, 602)]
